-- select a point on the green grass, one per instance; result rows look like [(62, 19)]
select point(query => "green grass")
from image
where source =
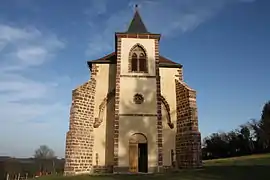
[(255, 167), (253, 160)]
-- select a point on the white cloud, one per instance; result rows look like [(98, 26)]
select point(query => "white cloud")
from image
[(32, 55), (24, 98), (26, 47), (28, 103), (15, 87), (12, 34), (170, 18)]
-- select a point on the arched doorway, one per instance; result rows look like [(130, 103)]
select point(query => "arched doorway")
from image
[(138, 153)]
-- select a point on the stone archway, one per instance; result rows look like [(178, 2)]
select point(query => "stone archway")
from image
[(138, 153)]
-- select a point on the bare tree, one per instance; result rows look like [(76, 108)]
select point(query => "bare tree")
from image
[(45, 158), (44, 152)]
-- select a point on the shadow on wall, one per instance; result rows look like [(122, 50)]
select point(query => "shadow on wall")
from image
[(110, 115), (144, 122), (132, 119)]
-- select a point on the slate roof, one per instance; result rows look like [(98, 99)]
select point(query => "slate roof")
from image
[(137, 25), (111, 59)]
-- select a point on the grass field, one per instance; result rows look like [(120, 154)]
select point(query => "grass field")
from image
[(255, 167)]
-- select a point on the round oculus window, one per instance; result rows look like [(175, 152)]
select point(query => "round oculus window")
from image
[(138, 99)]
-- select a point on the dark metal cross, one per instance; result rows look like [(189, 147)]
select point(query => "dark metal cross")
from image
[(136, 7)]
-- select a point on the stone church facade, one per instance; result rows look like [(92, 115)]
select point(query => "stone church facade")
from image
[(135, 114)]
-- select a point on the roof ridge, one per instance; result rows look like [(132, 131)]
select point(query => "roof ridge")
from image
[(106, 58)]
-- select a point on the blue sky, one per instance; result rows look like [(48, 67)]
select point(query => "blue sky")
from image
[(44, 46)]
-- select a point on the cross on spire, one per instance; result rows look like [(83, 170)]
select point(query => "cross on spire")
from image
[(136, 7)]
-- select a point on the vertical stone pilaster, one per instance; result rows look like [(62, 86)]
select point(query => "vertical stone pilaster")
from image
[(117, 93), (79, 139), (188, 137), (159, 112)]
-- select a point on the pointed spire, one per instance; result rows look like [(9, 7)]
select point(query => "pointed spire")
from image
[(137, 25)]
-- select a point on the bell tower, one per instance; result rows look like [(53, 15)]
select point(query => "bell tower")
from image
[(137, 99)]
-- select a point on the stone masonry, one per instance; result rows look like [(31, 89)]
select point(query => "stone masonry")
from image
[(159, 113), (79, 139), (117, 93), (188, 137)]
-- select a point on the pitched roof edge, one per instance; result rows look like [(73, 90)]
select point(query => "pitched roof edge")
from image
[(167, 65), (164, 65), (146, 33)]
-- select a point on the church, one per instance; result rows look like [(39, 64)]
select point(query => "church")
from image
[(135, 114)]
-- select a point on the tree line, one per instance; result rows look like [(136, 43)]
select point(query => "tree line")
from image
[(43, 162), (249, 138)]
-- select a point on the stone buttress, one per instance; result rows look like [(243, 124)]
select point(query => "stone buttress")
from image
[(79, 139), (188, 137)]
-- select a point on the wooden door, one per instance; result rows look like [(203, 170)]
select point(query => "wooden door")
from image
[(133, 157)]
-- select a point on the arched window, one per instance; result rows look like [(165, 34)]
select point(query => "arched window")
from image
[(138, 60)]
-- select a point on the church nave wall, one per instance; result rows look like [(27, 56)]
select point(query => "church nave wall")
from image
[(167, 76), (104, 115)]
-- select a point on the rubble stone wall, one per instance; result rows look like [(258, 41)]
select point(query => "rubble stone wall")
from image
[(79, 138), (188, 137)]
